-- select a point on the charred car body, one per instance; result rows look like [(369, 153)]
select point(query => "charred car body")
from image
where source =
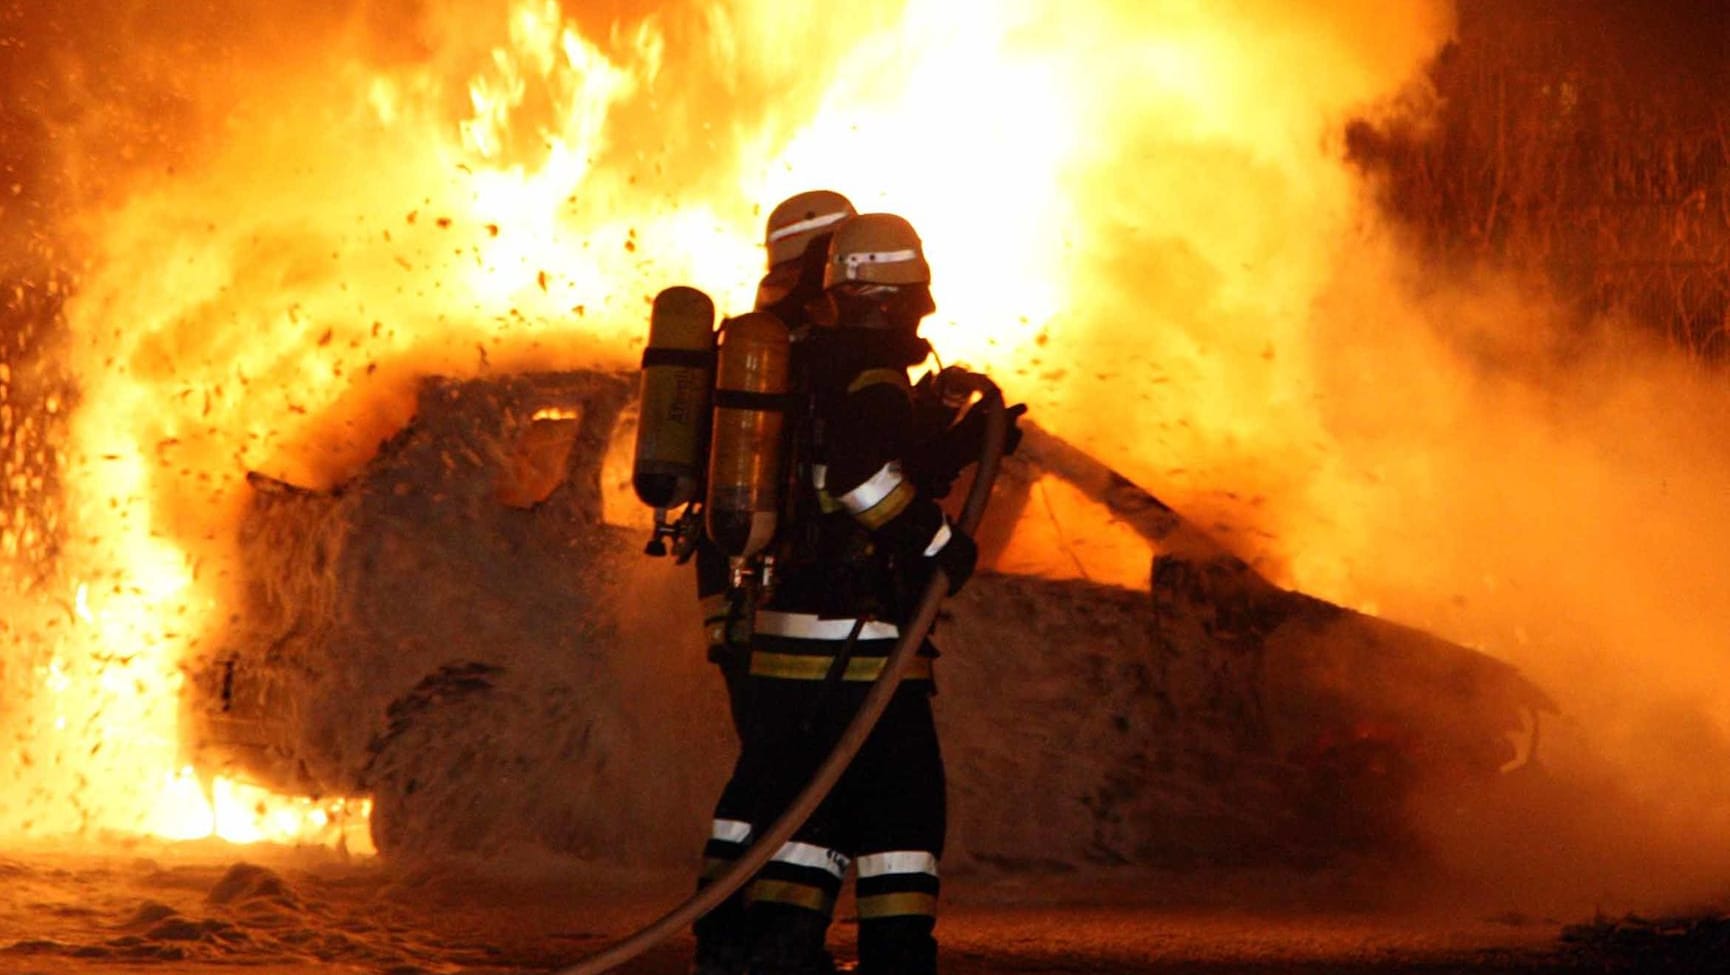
[(467, 632)]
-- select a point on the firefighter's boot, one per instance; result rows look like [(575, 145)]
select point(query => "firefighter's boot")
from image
[(721, 939), (789, 940), (897, 946)]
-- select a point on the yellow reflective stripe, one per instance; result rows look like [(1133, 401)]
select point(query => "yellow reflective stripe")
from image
[(787, 892), (884, 511), (876, 377), (894, 905), (797, 666)]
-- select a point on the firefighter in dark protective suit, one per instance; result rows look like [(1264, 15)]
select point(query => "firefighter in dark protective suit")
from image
[(796, 240), (860, 535)]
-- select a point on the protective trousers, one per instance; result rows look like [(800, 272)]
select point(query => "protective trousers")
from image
[(885, 818)]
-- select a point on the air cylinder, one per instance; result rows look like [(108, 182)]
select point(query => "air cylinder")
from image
[(745, 461), (673, 399)]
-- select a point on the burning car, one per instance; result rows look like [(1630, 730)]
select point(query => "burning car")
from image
[(467, 631)]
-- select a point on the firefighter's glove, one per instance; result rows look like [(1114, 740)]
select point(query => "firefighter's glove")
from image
[(932, 466), (938, 462), (966, 439), (931, 415), (957, 556)]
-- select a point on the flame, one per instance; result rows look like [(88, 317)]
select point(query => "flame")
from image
[(258, 307), (1140, 220)]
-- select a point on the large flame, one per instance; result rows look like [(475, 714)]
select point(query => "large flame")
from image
[(1138, 213), (513, 202)]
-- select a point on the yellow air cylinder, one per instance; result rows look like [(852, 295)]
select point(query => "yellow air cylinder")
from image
[(673, 399), (750, 415)]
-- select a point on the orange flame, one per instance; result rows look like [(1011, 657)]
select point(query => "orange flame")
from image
[(256, 308), (1139, 218)]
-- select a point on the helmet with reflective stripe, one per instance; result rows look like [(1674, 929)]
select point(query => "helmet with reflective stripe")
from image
[(876, 248), (800, 219)]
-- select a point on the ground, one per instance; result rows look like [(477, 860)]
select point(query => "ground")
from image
[(201, 909)]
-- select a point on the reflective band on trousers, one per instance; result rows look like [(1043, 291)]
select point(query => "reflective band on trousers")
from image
[(799, 666), (730, 830), (812, 855), (897, 861), (787, 892), (810, 626), (866, 496), (815, 223), (898, 905)]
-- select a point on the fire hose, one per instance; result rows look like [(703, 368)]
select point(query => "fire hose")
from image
[(851, 740)]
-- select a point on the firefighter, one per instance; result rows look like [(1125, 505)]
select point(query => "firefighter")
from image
[(796, 239), (858, 541), (796, 242)]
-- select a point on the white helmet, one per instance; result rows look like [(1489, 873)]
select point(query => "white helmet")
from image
[(800, 219), (876, 248)]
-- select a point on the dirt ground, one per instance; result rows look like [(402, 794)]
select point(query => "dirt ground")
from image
[(200, 909)]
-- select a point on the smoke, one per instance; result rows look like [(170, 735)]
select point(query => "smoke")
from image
[(1490, 468), (1552, 496)]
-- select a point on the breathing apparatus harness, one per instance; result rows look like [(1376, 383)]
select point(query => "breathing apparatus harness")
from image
[(988, 399)]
